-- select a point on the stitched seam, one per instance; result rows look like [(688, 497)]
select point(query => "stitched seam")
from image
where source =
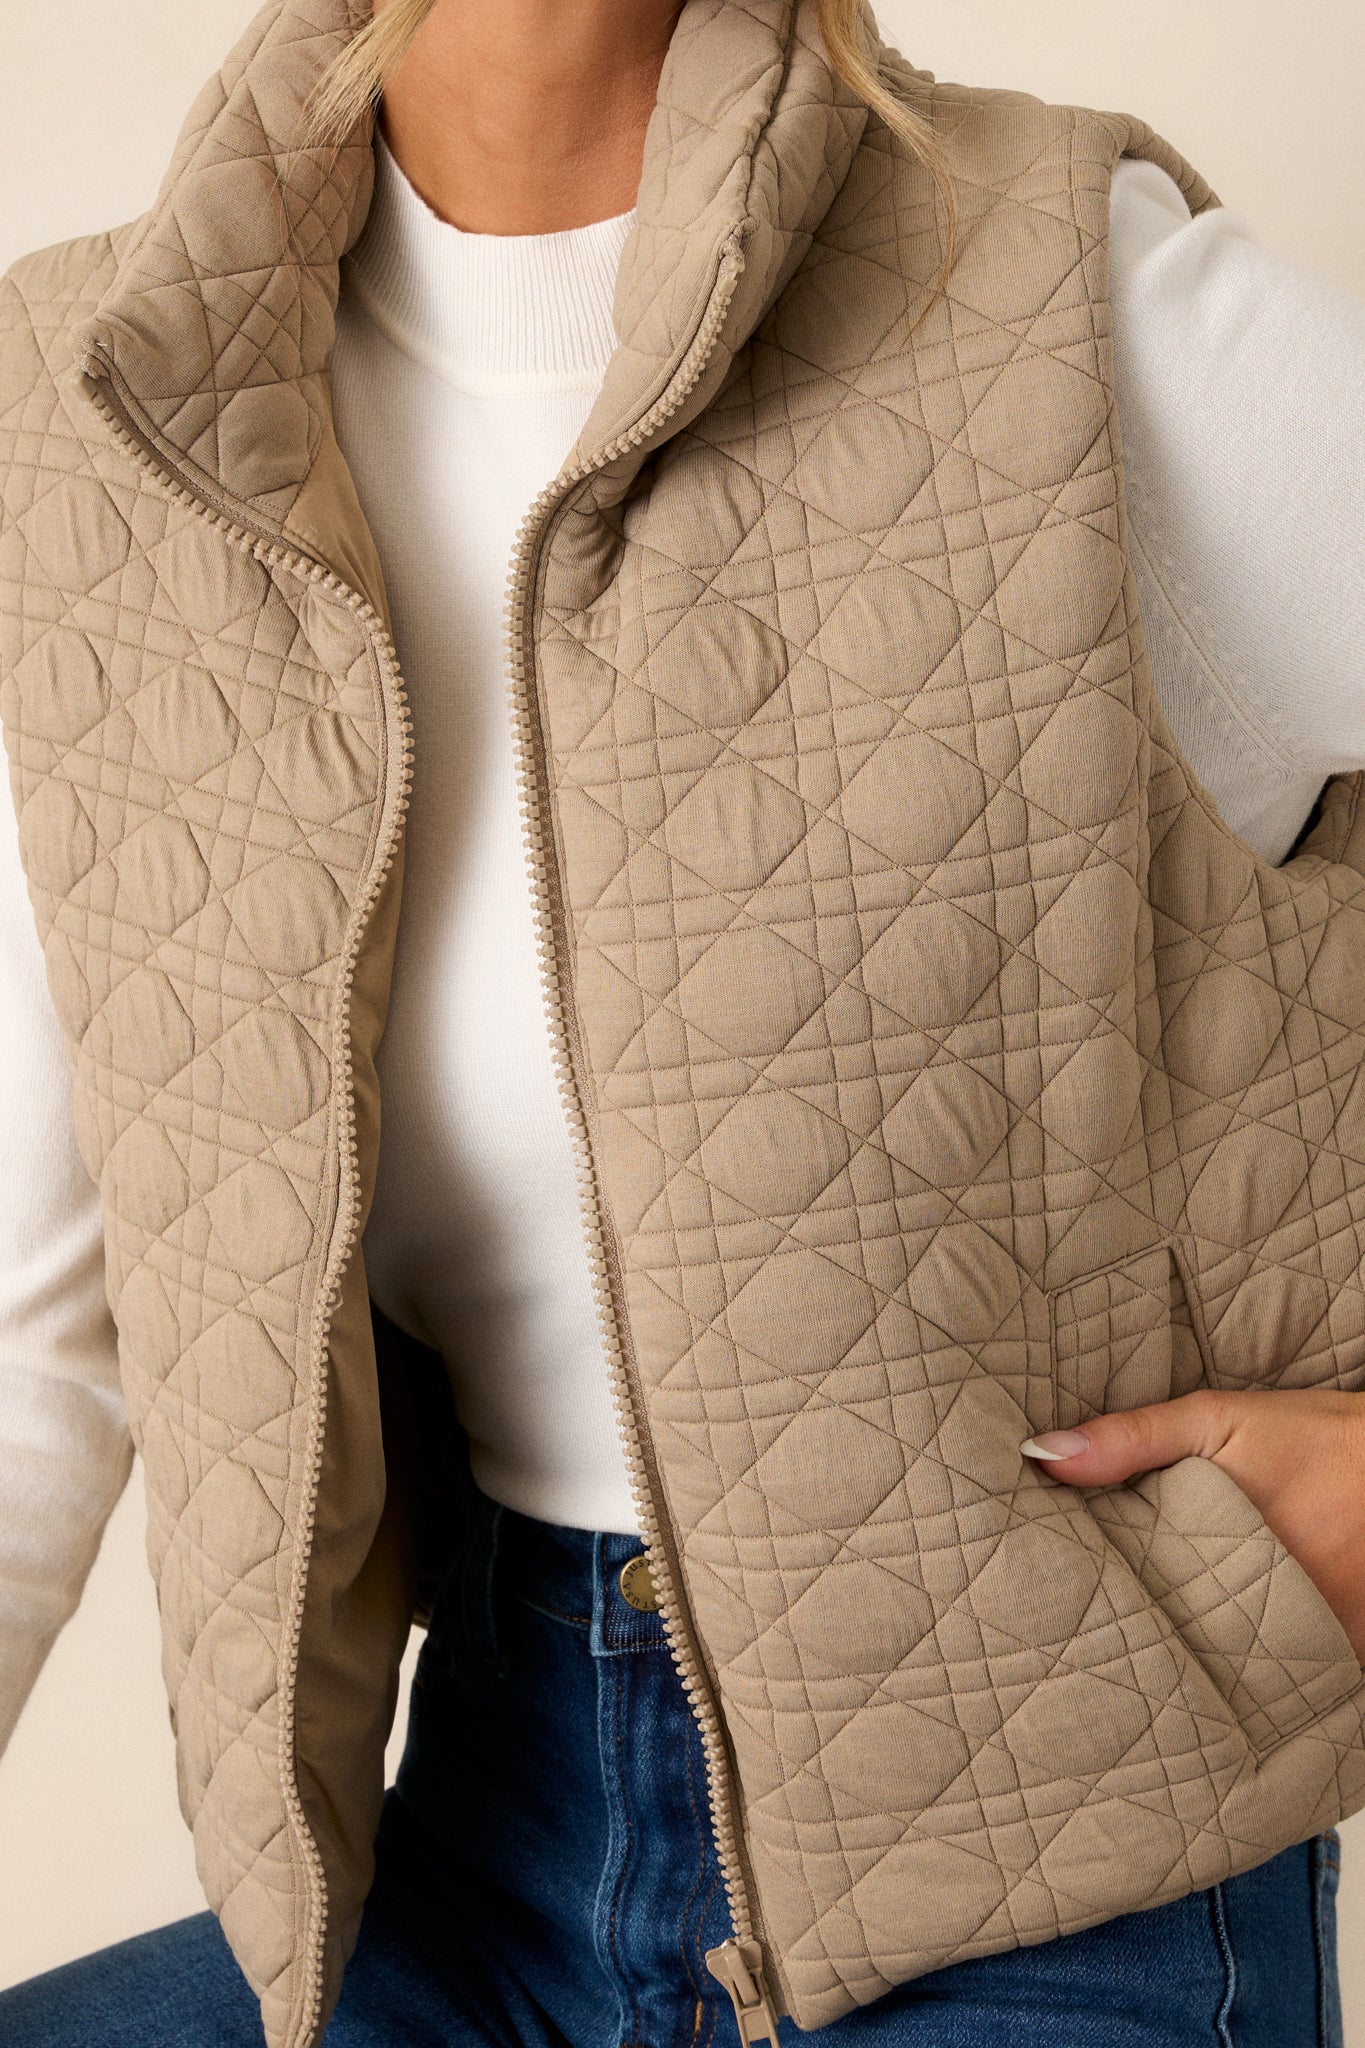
[(700, 1893), (625, 1978), (1219, 1915), (1326, 1862)]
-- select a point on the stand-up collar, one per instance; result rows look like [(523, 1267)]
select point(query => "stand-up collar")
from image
[(217, 328)]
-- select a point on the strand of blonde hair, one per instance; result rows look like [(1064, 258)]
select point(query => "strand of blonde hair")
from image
[(354, 81), (841, 30)]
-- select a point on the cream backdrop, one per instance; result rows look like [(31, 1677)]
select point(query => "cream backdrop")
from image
[(91, 1844)]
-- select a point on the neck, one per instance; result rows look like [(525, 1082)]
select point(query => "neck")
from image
[(528, 116)]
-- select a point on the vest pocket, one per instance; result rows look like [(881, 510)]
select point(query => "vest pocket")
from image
[(1112, 1342), (1241, 1605)]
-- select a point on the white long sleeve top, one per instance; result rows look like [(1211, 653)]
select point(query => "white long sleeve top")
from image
[(465, 366)]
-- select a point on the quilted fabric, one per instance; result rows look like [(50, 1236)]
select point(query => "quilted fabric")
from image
[(955, 1073), (207, 770), (950, 1069)]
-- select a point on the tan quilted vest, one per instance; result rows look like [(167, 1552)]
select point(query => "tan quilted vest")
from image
[(943, 1067)]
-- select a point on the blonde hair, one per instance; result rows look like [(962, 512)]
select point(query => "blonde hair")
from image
[(355, 82)]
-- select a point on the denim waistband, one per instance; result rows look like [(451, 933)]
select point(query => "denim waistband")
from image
[(573, 1575)]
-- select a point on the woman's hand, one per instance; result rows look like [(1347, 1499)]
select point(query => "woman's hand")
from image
[(1298, 1456)]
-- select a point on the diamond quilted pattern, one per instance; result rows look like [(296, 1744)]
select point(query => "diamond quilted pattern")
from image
[(199, 749), (201, 902), (926, 1117)]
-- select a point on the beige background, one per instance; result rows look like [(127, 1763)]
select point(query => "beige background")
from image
[(1265, 102)]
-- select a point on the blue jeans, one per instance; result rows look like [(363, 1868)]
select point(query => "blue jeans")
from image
[(547, 1879)]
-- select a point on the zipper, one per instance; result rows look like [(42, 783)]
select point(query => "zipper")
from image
[(737, 1963), (103, 389)]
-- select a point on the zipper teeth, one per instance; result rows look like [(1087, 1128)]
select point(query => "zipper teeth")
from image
[(273, 553), (564, 1038)]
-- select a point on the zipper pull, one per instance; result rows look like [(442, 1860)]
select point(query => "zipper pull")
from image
[(738, 1965)]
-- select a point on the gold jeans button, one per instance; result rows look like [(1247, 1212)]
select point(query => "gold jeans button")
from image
[(638, 1585)]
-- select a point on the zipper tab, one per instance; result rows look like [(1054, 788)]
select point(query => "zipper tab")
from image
[(738, 1965)]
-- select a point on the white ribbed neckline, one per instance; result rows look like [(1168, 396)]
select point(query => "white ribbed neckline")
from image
[(488, 312)]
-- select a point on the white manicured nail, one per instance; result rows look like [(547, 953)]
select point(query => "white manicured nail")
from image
[(1057, 1446)]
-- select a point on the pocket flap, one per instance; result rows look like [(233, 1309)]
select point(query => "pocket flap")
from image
[(1111, 1338)]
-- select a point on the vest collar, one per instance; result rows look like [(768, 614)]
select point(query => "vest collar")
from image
[(216, 330)]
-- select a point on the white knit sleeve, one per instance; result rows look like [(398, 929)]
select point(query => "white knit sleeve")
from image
[(1240, 384), (64, 1444)]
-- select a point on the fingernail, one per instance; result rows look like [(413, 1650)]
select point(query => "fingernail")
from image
[(1056, 1445)]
